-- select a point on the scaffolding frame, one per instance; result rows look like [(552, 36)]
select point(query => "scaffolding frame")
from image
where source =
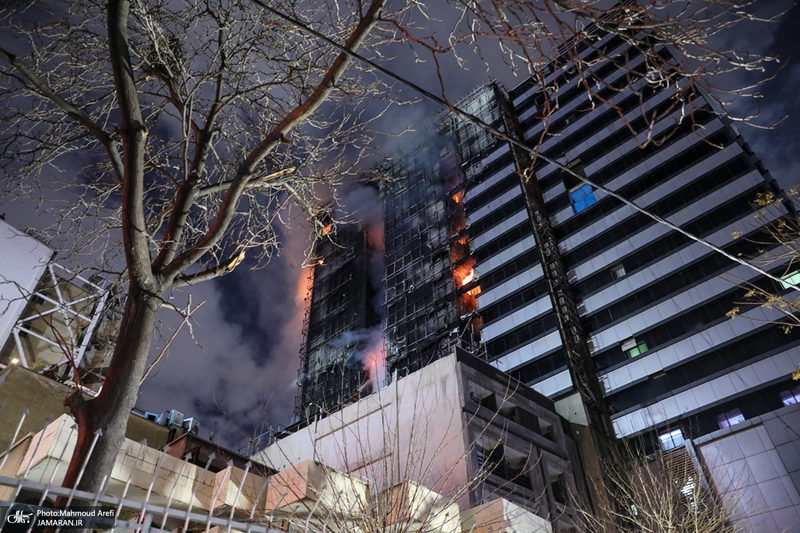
[(67, 321)]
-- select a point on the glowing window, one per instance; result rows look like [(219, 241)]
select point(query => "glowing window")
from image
[(618, 271), (792, 277), (671, 439), (790, 397), (730, 418), (633, 348)]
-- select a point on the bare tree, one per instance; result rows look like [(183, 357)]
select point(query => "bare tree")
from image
[(176, 125), (185, 120), (660, 492)]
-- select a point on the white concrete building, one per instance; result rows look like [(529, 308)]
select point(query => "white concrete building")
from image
[(457, 427)]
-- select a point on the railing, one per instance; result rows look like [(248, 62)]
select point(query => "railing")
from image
[(149, 490), (147, 499)]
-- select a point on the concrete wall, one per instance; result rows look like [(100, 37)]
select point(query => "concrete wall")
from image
[(23, 260), (22, 389), (755, 467), (19, 387), (411, 429)]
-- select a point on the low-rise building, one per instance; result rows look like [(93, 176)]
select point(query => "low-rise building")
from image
[(457, 427)]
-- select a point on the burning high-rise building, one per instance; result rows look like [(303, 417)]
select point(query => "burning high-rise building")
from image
[(343, 342), (620, 319), (430, 283)]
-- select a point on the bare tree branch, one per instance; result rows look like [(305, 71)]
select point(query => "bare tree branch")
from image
[(73, 111)]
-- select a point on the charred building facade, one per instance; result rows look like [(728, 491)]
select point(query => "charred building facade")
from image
[(337, 358), (430, 293)]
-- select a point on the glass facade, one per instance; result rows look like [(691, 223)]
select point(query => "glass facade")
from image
[(631, 280)]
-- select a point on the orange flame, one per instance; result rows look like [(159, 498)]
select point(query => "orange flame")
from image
[(469, 277), (327, 229)]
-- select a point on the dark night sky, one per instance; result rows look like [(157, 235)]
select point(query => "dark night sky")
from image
[(250, 326)]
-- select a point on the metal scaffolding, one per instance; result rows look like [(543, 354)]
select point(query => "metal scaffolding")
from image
[(69, 323), (430, 283)]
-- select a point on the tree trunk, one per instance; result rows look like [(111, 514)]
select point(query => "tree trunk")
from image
[(110, 410)]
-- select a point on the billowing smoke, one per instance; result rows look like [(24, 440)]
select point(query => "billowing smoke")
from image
[(361, 202), (368, 351)]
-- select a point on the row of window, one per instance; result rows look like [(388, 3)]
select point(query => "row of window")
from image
[(743, 350), (506, 184), (498, 215), (731, 413), (578, 46), (646, 296), (678, 281), (639, 221), (562, 99), (651, 179), (488, 171), (510, 269), (624, 163), (665, 245), (514, 469), (592, 127), (507, 239), (687, 322), (544, 366), (515, 301), (524, 334)]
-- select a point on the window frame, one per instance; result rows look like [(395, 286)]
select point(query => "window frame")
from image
[(669, 440)]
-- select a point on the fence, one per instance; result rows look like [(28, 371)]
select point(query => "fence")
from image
[(47, 453), (151, 490)]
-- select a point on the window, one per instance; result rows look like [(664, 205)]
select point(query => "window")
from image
[(792, 277), (491, 457), (790, 397), (559, 487), (486, 399), (671, 439), (581, 195), (581, 198), (730, 418), (517, 466), (633, 348), (546, 430), (510, 412), (618, 271)]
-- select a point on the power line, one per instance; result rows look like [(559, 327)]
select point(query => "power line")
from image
[(497, 133)]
